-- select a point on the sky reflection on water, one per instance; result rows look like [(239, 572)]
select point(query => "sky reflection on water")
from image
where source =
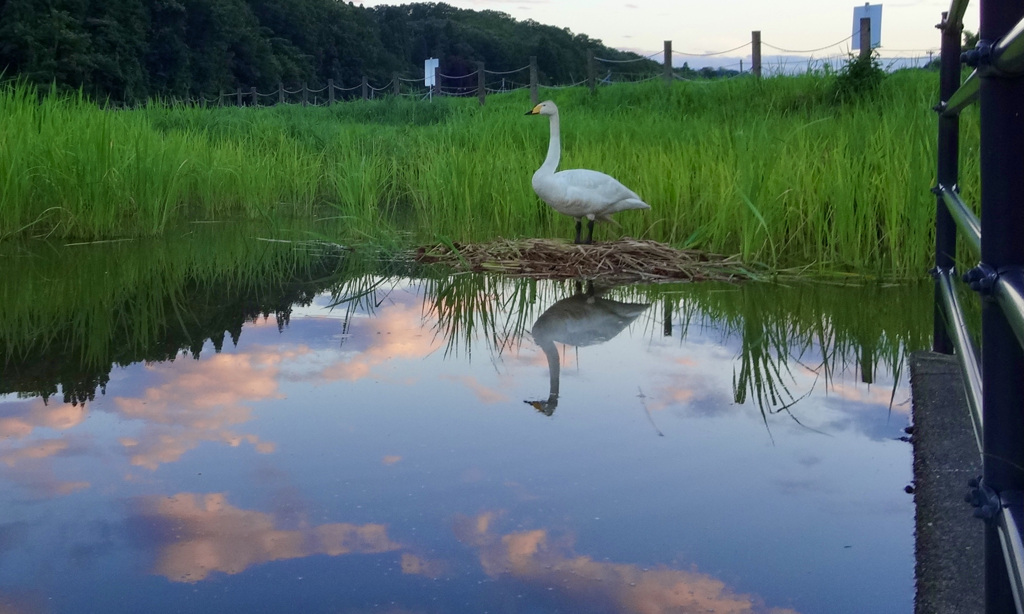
[(375, 460)]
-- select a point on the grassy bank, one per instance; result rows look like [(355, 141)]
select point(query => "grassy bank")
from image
[(773, 170)]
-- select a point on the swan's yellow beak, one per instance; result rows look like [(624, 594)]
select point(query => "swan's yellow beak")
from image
[(534, 111)]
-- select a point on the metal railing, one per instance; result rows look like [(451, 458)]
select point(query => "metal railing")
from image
[(995, 383)]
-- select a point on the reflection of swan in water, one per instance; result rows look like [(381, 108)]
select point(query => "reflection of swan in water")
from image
[(580, 320)]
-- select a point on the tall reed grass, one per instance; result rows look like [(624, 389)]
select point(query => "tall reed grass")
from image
[(774, 170)]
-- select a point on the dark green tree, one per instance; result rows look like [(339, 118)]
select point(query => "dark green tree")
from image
[(130, 50)]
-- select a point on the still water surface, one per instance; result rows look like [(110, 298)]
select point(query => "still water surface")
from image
[(389, 443)]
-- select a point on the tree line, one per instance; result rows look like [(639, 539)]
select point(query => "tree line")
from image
[(131, 50)]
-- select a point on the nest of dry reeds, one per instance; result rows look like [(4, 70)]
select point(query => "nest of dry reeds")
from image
[(622, 261)]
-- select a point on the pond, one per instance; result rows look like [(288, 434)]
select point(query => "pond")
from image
[(215, 423)]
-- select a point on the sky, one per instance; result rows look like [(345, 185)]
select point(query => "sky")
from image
[(908, 26)]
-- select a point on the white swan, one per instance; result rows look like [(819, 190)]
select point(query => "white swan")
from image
[(583, 319), (579, 193)]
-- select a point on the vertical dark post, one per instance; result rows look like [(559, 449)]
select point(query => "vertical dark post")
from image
[(330, 92), (220, 98), (591, 71), (865, 37), (1002, 222), (533, 80), (437, 80), (305, 94), (238, 95), (280, 93), (481, 83), (666, 325), (755, 53), (668, 62), (396, 84), (365, 88), (867, 362), (255, 101), (948, 173)]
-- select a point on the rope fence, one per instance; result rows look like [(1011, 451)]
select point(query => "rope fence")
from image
[(600, 71)]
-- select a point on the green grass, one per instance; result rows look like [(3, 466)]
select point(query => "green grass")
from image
[(774, 170)]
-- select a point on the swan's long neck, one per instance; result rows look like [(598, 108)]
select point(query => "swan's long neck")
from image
[(554, 365), (554, 148)]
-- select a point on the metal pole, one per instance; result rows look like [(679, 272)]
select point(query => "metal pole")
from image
[(533, 80), (668, 61), (865, 37), (755, 53), (948, 172), (1002, 222)]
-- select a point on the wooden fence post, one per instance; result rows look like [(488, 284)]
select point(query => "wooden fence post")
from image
[(305, 94), (238, 94), (396, 84), (330, 92), (666, 327), (755, 53), (533, 80), (280, 93), (220, 98), (668, 61), (365, 88), (865, 37), (481, 83), (591, 71), (255, 100), (437, 80)]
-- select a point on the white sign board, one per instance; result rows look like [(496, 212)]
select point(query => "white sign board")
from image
[(429, 66), (874, 13)]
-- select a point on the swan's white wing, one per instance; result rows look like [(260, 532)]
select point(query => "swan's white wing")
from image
[(581, 320), (583, 192)]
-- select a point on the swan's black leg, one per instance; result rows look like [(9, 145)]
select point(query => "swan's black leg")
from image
[(579, 227), (590, 232)]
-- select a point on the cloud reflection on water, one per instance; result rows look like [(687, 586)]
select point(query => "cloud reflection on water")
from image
[(195, 535), (20, 419), (533, 556), (30, 465), (201, 401)]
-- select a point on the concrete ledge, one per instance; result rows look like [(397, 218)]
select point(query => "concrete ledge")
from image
[(949, 549)]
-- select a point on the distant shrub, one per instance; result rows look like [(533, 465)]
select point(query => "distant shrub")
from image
[(860, 76)]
